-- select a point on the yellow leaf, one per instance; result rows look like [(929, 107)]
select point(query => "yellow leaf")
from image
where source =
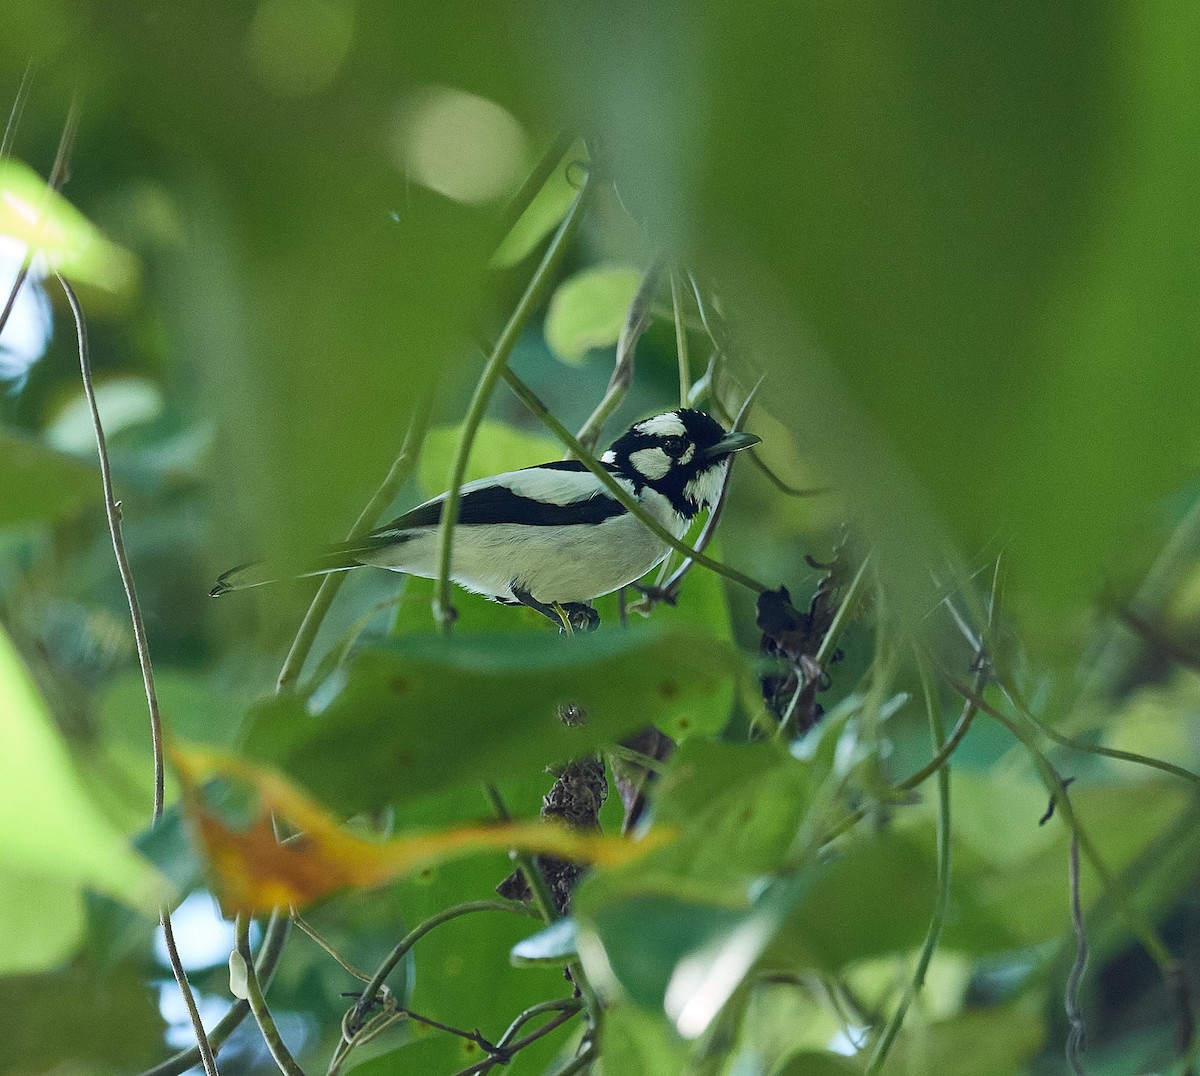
[(255, 873)]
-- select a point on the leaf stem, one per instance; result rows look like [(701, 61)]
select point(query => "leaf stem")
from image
[(636, 322), (443, 608), (112, 512), (258, 1004), (681, 343), (937, 734), (375, 982)]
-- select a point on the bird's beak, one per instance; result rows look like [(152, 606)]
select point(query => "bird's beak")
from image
[(731, 442)]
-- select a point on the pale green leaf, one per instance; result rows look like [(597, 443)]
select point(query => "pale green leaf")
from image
[(588, 310)]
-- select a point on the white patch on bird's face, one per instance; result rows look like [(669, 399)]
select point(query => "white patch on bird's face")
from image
[(668, 425), (704, 489), (686, 458), (609, 457), (650, 463)]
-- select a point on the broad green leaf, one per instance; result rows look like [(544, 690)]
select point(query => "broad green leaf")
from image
[(548, 207), (497, 447), (37, 483), (813, 1063), (123, 402), (634, 1041), (417, 714), (734, 811), (45, 221), (427, 1052), (42, 922), (976, 1042), (72, 841), (81, 1019), (589, 310)]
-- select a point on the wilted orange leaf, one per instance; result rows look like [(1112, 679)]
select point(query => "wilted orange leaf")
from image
[(254, 873)]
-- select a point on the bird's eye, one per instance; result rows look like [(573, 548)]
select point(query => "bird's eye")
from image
[(674, 446)]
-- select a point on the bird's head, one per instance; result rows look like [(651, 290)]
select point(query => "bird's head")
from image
[(681, 454)]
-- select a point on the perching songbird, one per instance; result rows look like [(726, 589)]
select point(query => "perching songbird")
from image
[(550, 537)]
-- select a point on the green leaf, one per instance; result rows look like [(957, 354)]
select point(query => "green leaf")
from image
[(72, 841), (977, 1042), (81, 1019), (42, 922), (70, 244), (634, 1041), (735, 810), (38, 483), (417, 714), (554, 945), (814, 1063), (588, 310), (497, 447)]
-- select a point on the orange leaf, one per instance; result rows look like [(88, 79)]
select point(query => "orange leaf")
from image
[(255, 873)]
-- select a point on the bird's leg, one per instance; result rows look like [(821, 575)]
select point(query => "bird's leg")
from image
[(582, 616), (569, 617)]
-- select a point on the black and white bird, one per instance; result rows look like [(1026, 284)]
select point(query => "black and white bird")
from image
[(550, 537)]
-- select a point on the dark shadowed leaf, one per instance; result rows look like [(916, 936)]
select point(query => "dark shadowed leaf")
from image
[(417, 714)]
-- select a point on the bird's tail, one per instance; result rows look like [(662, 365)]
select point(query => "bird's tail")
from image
[(260, 573)]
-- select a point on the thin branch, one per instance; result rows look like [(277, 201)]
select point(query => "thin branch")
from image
[(938, 736), (443, 607), (376, 982), (112, 511), (1138, 923), (489, 1063), (580, 1063), (681, 343), (636, 323), (528, 397), (258, 1004), (403, 466), (312, 932), (1075, 1039), (14, 114)]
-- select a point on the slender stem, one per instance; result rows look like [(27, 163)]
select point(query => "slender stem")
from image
[(681, 344), (938, 737), (580, 1063), (489, 1063), (315, 935), (619, 492), (636, 322), (375, 982), (498, 362), (113, 515), (258, 1004), (14, 115), (1138, 923), (554, 1005), (397, 475), (842, 616), (112, 511), (1071, 993)]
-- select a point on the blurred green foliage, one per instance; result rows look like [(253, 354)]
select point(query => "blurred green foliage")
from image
[(962, 244)]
